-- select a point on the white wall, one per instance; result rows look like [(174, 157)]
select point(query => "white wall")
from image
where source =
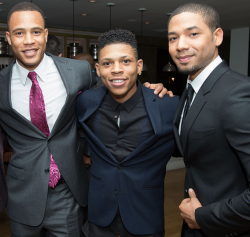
[(239, 49)]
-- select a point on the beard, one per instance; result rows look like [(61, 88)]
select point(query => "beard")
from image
[(189, 70)]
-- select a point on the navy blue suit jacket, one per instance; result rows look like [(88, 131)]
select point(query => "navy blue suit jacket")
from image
[(135, 185)]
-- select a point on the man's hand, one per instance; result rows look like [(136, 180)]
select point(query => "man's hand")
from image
[(159, 88), (188, 207), (87, 160)]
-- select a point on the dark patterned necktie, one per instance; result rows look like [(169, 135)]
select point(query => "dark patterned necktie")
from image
[(190, 94), (38, 118)]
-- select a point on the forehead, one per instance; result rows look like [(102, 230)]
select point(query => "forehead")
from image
[(186, 20), (25, 19), (117, 50)]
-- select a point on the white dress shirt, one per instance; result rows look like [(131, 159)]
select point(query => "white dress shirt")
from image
[(51, 84), (199, 80)]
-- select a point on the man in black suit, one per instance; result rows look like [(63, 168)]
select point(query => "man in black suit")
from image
[(211, 126)]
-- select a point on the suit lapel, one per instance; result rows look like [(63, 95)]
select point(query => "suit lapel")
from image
[(193, 112), (154, 115), (8, 105), (176, 121), (66, 74), (95, 101), (200, 101)]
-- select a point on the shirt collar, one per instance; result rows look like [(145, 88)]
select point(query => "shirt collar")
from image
[(128, 104), (199, 80), (40, 70)]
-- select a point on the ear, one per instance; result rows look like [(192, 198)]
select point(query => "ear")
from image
[(97, 69), (8, 37), (139, 65), (218, 36), (46, 34)]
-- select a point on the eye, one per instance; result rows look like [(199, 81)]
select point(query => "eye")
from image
[(172, 39), (194, 34), (36, 32), (126, 60), (106, 63), (18, 33)]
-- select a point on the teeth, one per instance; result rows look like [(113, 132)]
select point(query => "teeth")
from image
[(117, 81), (29, 51)]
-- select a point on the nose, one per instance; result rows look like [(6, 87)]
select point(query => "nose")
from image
[(28, 38), (182, 44), (117, 68)]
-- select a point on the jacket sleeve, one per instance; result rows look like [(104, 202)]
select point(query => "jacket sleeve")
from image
[(230, 217)]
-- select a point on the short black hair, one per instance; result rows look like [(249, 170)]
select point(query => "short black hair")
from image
[(24, 6), (209, 14), (53, 45), (118, 36)]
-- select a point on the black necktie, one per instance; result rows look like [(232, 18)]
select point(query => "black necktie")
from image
[(190, 93)]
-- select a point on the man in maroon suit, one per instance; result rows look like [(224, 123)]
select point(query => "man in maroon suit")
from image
[(3, 187)]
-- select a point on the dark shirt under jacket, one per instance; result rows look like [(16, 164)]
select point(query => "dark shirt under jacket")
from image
[(135, 127)]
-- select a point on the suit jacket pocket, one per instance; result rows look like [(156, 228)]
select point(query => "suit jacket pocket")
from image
[(96, 178), (202, 133), (15, 172), (152, 187)]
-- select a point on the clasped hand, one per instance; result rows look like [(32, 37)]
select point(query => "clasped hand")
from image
[(188, 207)]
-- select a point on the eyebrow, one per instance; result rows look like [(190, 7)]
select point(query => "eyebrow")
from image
[(125, 56), (34, 28), (188, 29)]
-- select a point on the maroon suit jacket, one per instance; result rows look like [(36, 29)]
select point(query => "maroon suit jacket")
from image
[(3, 186)]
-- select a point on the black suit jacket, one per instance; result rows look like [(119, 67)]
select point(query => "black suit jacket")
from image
[(3, 187), (216, 149), (28, 170)]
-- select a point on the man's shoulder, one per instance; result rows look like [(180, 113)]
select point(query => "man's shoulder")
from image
[(80, 64), (5, 71), (148, 94), (90, 93)]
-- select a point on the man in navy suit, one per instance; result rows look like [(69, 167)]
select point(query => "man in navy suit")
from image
[(129, 130)]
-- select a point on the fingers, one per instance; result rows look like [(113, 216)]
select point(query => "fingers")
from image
[(191, 193), (164, 92), (158, 88), (170, 93), (87, 160), (147, 84), (186, 200)]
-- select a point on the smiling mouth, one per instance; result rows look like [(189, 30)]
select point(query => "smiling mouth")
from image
[(118, 82), (184, 59), (29, 51)]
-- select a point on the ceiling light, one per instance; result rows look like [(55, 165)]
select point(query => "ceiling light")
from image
[(84, 14), (147, 23), (131, 20), (92, 0), (1, 3)]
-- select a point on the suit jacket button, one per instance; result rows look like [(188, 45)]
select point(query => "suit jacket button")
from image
[(46, 170), (115, 192), (187, 165), (119, 167)]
